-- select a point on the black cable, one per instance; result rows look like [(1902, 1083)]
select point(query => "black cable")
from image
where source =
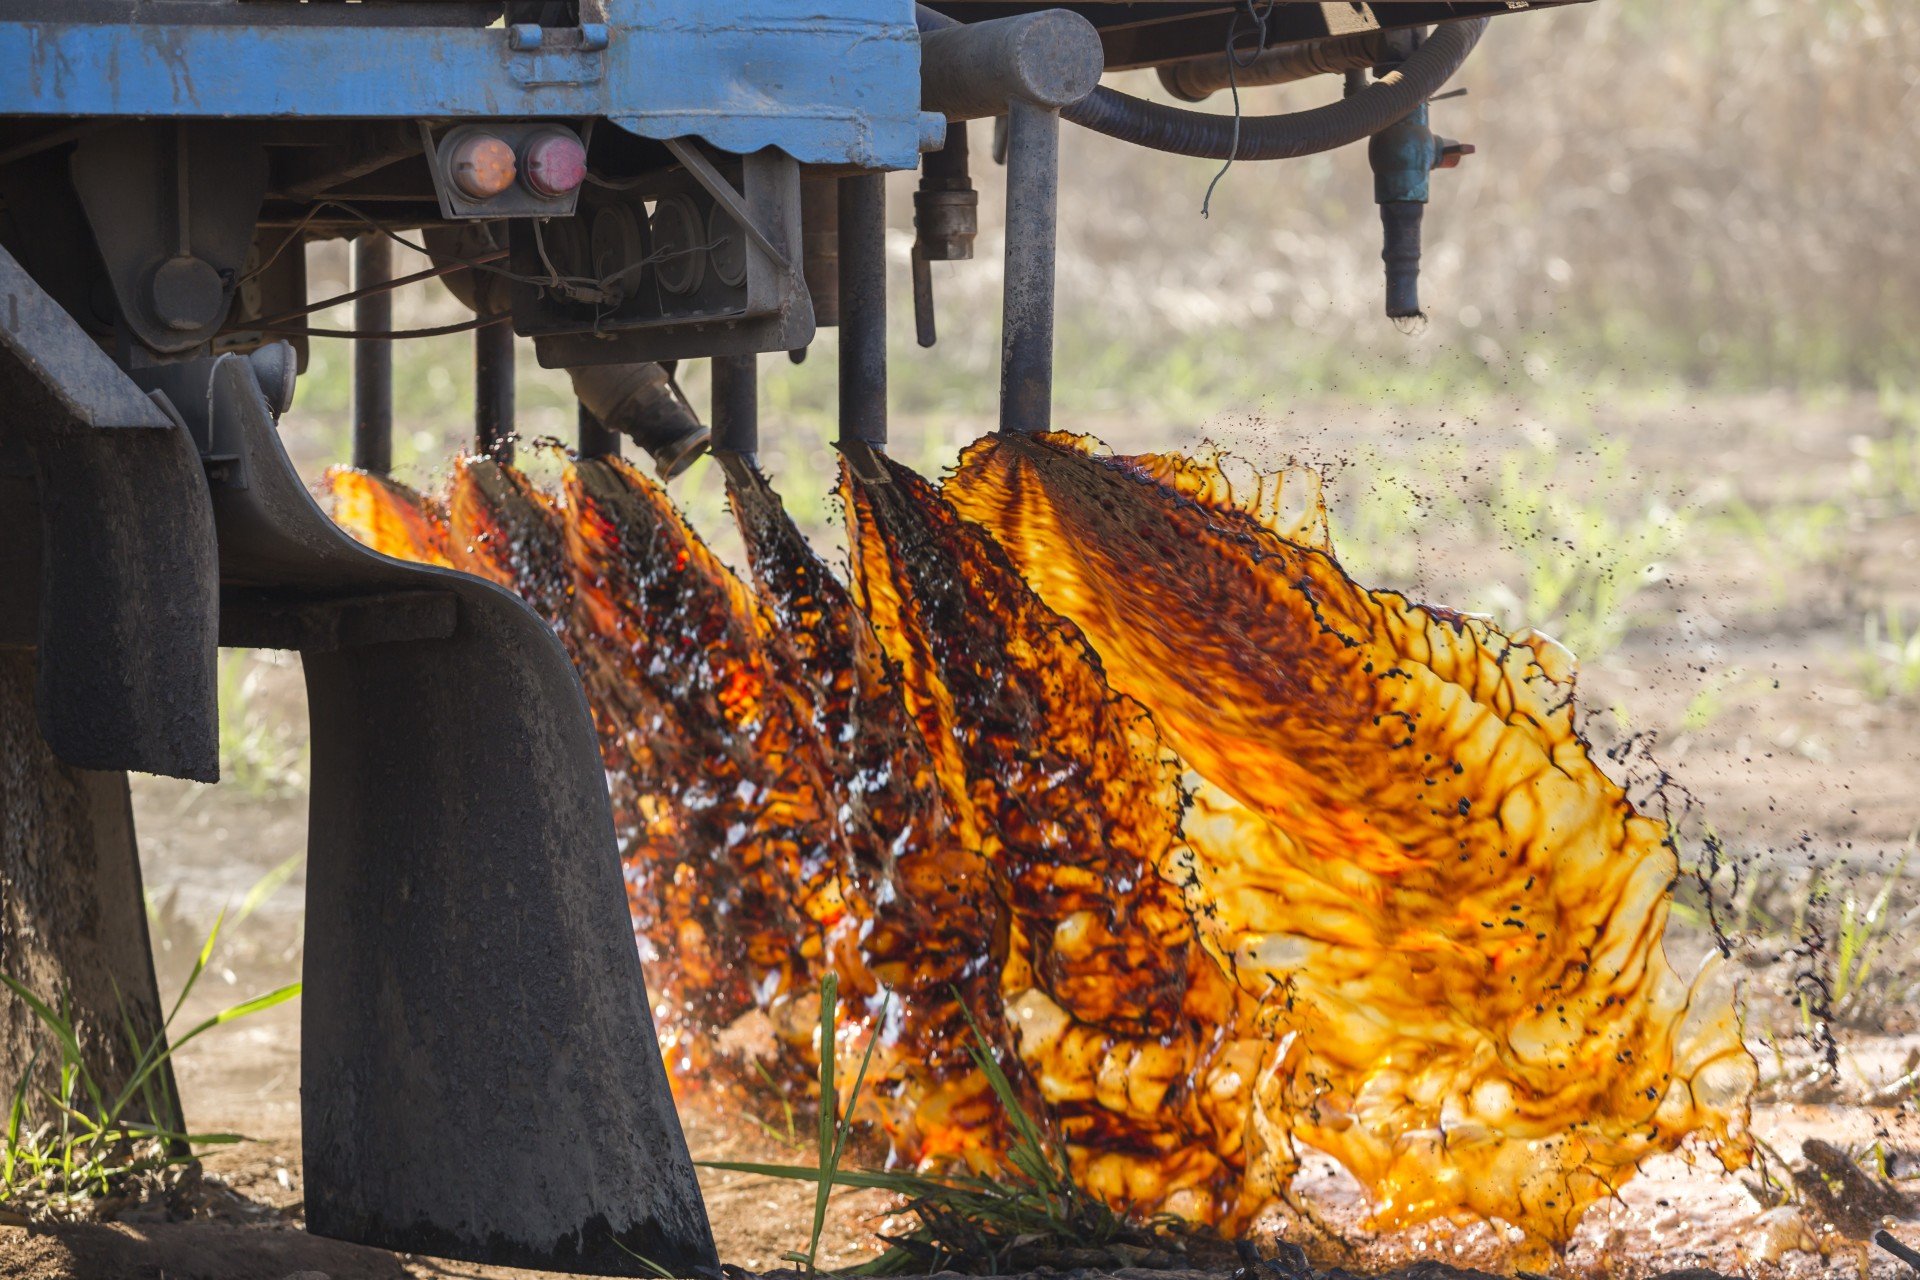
[(388, 335), (394, 236), (1236, 64), (354, 295)]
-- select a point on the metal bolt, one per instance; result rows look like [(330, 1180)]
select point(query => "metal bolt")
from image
[(187, 293)]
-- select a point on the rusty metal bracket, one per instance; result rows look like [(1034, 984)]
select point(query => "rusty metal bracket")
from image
[(173, 207)]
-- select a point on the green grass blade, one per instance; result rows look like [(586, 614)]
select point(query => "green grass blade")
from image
[(906, 1184), (266, 886), (16, 1117), (155, 1096), (786, 1103), (1043, 1170), (199, 966), (225, 1016), (642, 1259), (259, 1004), (828, 1152), (191, 1139), (62, 1028), (859, 1079)]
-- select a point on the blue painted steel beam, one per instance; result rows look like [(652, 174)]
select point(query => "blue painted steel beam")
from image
[(826, 81)]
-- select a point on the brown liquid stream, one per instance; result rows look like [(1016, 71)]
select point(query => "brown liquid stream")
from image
[(1229, 856)]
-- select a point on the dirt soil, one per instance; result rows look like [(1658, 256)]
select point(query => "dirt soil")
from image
[(1797, 767)]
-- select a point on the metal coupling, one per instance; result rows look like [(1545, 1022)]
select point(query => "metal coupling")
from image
[(1404, 156), (945, 223), (946, 208), (1198, 79)]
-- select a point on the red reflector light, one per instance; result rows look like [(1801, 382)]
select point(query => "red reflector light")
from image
[(553, 163), (482, 166)]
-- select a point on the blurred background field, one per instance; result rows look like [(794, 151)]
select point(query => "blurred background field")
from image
[(1666, 409)]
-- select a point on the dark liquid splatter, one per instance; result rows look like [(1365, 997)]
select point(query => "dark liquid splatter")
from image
[(1381, 903)]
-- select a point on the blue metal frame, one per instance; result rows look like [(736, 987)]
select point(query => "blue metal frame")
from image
[(826, 81)]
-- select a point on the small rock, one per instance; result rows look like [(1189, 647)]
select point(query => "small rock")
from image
[(1776, 1233)]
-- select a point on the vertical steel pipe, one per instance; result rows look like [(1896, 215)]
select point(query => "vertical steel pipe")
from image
[(1031, 66), (493, 391), (820, 241), (1026, 335), (596, 439), (736, 405), (863, 309), (373, 359)]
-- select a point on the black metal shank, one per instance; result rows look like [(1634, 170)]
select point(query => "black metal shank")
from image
[(863, 309), (472, 985)]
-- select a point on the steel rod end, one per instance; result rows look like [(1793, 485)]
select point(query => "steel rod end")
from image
[(865, 461), (741, 468)]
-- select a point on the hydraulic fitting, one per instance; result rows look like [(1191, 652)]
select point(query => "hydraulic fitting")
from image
[(946, 208), (946, 218), (1404, 156)]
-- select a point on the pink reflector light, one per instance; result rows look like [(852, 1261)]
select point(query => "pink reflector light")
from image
[(554, 164)]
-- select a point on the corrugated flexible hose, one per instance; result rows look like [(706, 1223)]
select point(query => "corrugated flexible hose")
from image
[(1282, 137)]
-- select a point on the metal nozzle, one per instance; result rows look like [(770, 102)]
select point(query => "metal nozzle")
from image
[(640, 402)]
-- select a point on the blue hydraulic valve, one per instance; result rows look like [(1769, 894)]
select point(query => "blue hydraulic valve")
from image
[(1404, 156)]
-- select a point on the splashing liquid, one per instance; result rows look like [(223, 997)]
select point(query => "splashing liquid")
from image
[(388, 516), (1074, 805), (756, 881), (931, 899), (1400, 844), (723, 824), (1230, 856)]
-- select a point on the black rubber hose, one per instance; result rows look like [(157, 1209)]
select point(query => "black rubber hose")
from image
[(1299, 133)]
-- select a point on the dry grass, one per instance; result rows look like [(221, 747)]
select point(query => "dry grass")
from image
[(1718, 190)]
